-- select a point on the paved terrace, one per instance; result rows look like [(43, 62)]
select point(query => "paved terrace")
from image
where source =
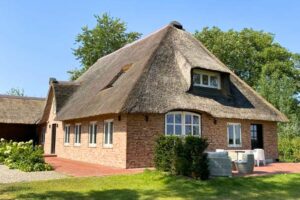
[(81, 169)]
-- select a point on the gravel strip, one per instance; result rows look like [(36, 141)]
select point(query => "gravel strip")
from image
[(14, 175)]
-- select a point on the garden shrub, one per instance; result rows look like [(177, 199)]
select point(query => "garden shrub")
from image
[(182, 156), (289, 148), (23, 156)]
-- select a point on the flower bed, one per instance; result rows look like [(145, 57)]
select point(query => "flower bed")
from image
[(23, 156)]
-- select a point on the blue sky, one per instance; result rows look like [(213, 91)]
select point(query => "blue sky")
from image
[(36, 37)]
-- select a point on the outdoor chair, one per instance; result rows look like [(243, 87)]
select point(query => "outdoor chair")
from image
[(219, 164), (259, 155), (246, 165)]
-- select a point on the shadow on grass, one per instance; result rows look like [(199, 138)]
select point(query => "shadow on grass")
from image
[(62, 195), (154, 185)]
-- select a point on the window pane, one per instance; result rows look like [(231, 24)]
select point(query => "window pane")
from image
[(95, 133), (170, 118), (178, 130), (196, 78), (214, 81), (205, 79), (188, 119), (170, 129), (237, 134), (188, 130), (178, 118), (111, 133), (196, 130), (106, 133), (195, 119), (230, 134)]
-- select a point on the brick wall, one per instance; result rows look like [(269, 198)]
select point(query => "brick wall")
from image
[(135, 134), (141, 136), (115, 156)]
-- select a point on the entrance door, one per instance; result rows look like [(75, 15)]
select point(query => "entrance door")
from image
[(257, 136), (53, 138)]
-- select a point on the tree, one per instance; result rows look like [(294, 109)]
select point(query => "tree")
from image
[(16, 92), (107, 36), (265, 65)]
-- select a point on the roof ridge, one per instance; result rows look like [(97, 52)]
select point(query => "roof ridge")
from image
[(124, 47), (21, 97)]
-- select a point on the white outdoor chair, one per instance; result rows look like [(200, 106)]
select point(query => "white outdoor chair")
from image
[(259, 155)]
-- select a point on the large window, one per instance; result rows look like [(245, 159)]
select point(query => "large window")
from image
[(182, 123), (108, 133), (234, 135), (93, 134), (206, 79), (77, 134), (67, 135)]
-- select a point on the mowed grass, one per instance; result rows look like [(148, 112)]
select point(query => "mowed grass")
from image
[(156, 185)]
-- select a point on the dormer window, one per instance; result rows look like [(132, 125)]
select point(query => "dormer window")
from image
[(203, 78)]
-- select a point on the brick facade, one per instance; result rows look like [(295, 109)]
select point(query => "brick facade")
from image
[(134, 137)]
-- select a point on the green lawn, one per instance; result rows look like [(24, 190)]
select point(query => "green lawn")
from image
[(155, 185)]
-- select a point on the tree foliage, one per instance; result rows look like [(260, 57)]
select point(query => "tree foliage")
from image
[(265, 65), (16, 92), (107, 36)]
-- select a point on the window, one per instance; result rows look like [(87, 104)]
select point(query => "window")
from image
[(77, 134), (234, 135), (93, 134), (182, 123), (43, 135), (108, 133), (206, 79), (67, 135)]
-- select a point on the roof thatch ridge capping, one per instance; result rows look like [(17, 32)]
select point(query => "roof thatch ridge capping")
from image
[(158, 81), (22, 97)]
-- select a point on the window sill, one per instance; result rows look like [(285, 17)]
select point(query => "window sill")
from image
[(108, 146), (92, 145), (67, 144), (77, 145), (235, 146)]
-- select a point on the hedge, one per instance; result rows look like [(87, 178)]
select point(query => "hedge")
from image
[(182, 156)]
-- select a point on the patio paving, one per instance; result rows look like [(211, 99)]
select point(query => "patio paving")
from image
[(82, 169), (273, 168)]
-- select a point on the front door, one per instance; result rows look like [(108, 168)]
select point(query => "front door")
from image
[(257, 136), (53, 138)]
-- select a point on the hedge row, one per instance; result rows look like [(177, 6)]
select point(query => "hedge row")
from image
[(182, 156)]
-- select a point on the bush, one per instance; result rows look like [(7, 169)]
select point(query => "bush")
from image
[(23, 156), (182, 156), (289, 148)]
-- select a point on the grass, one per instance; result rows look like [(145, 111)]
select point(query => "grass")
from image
[(155, 185)]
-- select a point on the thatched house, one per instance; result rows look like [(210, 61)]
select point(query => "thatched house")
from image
[(19, 117), (167, 83)]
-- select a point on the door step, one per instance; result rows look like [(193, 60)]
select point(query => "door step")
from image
[(50, 155)]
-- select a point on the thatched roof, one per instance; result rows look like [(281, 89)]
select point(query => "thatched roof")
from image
[(153, 75), (20, 110)]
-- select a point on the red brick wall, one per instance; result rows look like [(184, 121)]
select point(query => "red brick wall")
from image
[(141, 136)]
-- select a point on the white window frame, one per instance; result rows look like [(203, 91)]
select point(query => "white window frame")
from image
[(93, 125), (77, 143), (68, 126), (209, 74), (108, 145), (234, 135), (183, 124)]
